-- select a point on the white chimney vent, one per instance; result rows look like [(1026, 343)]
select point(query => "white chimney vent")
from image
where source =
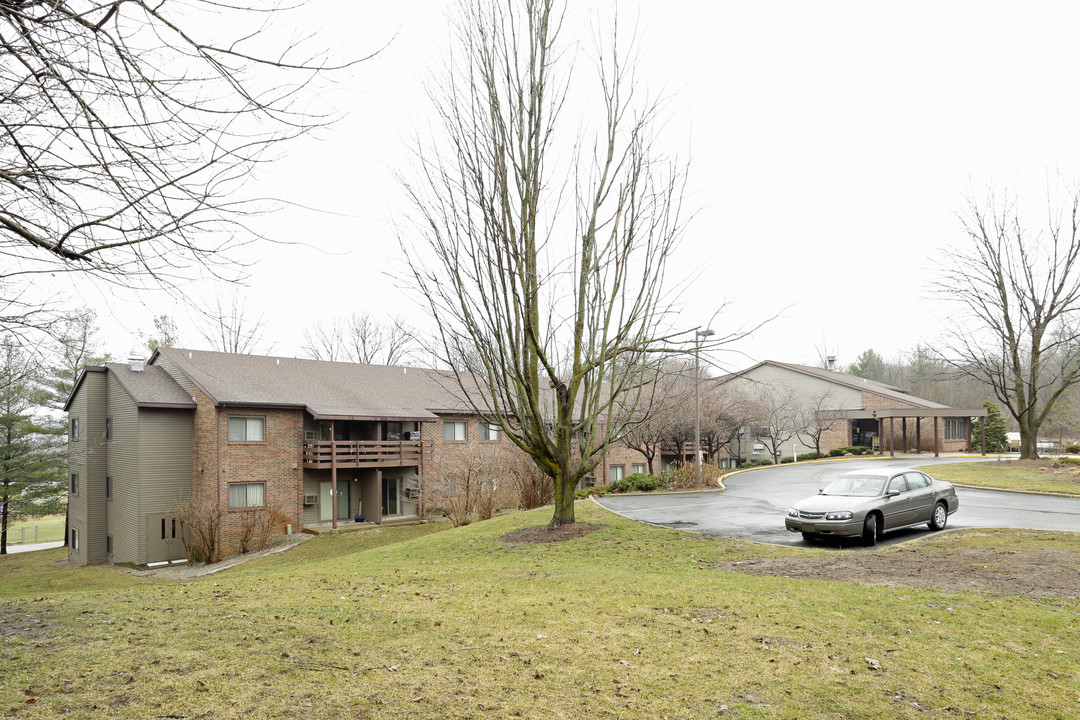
[(135, 363)]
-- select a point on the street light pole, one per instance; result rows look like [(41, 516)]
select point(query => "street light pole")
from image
[(698, 334)]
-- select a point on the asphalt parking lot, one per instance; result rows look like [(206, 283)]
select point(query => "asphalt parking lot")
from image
[(755, 504)]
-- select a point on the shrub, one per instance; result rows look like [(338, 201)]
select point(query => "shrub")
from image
[(836, 452), (787, 460), (200, 529), (757, 463), (1072, 449), (811, 456), (639, 482)]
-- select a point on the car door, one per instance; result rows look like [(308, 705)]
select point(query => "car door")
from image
[(922, 495), (897, 508)]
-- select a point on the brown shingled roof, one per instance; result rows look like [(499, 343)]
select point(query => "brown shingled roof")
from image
[(326, 389), (151, 387)]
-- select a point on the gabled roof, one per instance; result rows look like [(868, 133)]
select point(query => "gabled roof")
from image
[(327, 390), (852, 381)]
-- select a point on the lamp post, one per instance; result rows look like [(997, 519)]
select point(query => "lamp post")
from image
[(698, 335)]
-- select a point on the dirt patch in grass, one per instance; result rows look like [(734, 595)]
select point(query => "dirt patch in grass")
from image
[(1038, 573), (545, 534)]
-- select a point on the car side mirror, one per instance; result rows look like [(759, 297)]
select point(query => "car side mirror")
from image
[(892, 493), (820, 491)]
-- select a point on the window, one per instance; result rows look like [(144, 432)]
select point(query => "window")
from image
[(954, 429), (917, 481), (108, 428), (897, 484), (247, 429), (108, 487), (616, 472), (489, 431), (247, 495), (639, 468), (108, 544), (74, 539), (74, 487), (453, 430), (74, 432)]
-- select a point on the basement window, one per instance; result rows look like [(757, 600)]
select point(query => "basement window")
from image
[(247, 495)]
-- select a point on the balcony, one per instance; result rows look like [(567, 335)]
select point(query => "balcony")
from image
[(347, 454)]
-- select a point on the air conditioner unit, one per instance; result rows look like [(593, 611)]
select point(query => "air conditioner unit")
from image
[(311, 499), (412, 435)]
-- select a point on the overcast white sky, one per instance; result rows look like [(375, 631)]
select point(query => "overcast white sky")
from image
[(832, 145)]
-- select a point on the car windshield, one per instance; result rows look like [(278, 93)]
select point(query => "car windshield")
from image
[(856, 485)]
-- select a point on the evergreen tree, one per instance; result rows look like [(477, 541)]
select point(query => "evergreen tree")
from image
[(871, 366), (996, 439), (32, 462)]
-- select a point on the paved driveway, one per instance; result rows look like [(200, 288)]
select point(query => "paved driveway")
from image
[(755, 503)]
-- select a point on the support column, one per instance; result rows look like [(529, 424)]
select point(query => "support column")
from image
[(982, 426), (937, 445), (903, 430), (333, 478), (918, 434), (892, 437)]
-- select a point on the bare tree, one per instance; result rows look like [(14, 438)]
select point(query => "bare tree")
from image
[(777, 417), (545, 279), (229, 329), (813, 418), (1021, 290), (165, 334), (362, 338), (128, 134)]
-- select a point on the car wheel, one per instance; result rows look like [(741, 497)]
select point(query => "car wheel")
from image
[(939, 518), (808, 537), (870, 531)]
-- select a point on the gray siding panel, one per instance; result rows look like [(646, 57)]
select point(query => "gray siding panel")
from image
[(123, 509), (174, 372), (165, 440), (88, 457)]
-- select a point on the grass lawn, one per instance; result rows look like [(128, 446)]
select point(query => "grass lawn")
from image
[(50, 528), (630, 621), (1036, 475)]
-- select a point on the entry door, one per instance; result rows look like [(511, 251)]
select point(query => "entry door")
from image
[(326, 504), (391, 496), (163, 540)]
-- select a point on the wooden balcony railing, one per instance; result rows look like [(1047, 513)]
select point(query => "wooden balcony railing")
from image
[(356, 454)]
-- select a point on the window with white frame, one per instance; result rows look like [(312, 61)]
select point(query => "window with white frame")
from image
[(247, 495), (453, 430), (73, 431), (489, 431), (73, 486), (616, 472), (954, 429), (245, 428), (639, 468), (74, 539)]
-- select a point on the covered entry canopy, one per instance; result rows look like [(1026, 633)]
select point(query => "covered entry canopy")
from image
[(892, 414)]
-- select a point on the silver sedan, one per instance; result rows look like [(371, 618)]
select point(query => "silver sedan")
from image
[(869, 503)]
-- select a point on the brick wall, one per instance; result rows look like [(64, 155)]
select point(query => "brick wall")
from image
[(275, 462)]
